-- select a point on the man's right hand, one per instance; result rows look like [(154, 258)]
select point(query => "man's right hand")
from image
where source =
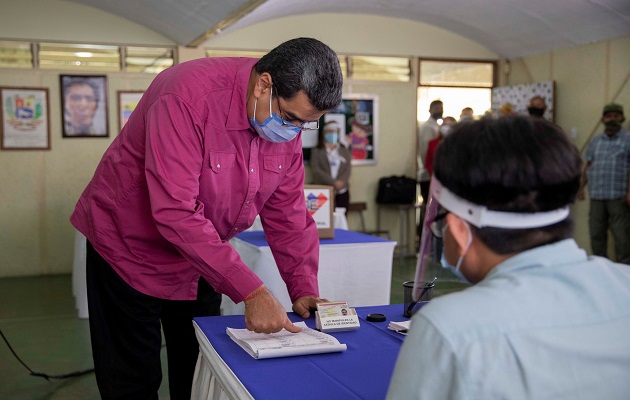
[(265, 314)]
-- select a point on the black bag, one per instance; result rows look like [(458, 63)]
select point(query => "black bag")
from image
[(396, 190)]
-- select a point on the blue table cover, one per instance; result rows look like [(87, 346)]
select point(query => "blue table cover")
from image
[(342, 236), (363, 371)]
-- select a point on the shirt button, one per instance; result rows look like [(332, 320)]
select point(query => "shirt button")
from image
[(251, 170), (218, 165), (279, 166), (247, 202), (236, 229)]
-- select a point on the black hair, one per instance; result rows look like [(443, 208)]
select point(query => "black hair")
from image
[(513, 164), (434, 103), (305, 64)]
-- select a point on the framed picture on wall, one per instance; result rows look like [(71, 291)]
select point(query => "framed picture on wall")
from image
[(25, 119), (127, 102), (518, 97), (357, 116), (84, 106)]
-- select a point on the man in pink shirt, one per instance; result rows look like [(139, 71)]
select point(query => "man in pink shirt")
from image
[(212, 143)]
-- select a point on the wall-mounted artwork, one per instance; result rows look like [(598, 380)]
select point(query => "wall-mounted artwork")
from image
[(84, 106), (25, 119), (516, 98), (357, 115), (127, 102)]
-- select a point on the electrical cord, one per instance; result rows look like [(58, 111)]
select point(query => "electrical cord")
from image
[(41, 374)]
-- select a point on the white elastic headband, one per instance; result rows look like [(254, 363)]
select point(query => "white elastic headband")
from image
[(480, 216)]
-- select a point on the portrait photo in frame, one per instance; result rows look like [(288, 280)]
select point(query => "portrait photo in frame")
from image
[(357, 116), (24, 119), (127, 102), (84, 106)]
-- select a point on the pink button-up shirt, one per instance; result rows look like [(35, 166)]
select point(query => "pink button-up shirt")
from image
[(185, 175)]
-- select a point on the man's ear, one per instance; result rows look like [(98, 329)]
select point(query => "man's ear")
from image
[(263, 84), (458, 229)]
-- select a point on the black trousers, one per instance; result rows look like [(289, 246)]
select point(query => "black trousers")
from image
[(424, 191), (343, 200), (126, 331)]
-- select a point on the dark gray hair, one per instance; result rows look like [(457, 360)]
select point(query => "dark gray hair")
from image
[(305, 64)]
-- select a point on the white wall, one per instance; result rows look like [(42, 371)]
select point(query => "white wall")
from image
[(587, 77), (57, 20), (356, 34)]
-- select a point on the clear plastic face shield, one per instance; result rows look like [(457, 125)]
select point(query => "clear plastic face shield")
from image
[(442, 201)]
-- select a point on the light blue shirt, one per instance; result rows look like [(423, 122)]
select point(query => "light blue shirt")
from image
[(548, 323)]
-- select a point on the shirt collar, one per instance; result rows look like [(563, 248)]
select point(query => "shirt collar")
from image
[(237, 115), (617, 135)]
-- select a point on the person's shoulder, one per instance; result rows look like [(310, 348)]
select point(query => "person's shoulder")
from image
[(202, 75), (343, 150), (451, 312)]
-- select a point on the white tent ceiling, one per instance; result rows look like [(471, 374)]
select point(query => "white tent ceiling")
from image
[(510, 28)]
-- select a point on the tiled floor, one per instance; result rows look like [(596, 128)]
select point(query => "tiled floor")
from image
[(38, 318)]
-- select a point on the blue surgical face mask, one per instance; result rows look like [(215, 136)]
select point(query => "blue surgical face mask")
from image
[(455, 269), (272, 129), (331, 138)]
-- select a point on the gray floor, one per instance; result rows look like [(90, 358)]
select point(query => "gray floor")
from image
[(38, 317)]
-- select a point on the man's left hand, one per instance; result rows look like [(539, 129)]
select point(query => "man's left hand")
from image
[(303, 305)]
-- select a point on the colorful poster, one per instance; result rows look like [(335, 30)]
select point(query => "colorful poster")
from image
[(25, 118)]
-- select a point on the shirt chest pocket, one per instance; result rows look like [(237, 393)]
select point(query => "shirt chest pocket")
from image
[(276, 164), (221, 162), (274, 168)]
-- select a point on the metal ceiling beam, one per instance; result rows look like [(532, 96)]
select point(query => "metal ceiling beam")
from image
[(232, 18)]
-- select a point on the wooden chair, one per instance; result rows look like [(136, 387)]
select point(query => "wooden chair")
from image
[(359, 207)]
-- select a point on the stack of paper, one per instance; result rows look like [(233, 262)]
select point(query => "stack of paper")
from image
[(285, 343), (400, 327)]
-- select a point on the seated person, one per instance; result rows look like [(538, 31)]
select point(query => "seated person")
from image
[(331, 163), (543, 319)]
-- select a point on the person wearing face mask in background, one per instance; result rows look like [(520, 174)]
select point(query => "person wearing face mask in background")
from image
[(537, 107), (445, 129), (428, 131), (542, 319), (331, 163), (607, 173), (213, 143)]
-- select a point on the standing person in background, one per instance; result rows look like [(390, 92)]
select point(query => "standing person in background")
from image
[(467, 114), (537, 106), (213, 143), (607, 173), (331, 163), (445, 129), (427, 132), (542, 320)]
